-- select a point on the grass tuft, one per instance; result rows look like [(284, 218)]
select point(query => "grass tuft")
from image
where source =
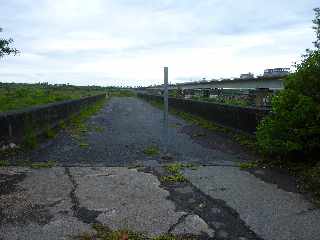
[(50, 133), (248, 165), (30, 140), (175, 172), (39, 165), (178, 177), (78, 126), (4, 163), (83, 145), (105, 233), (151, 151)]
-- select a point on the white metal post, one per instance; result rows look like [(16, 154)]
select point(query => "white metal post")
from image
[(165, 100)]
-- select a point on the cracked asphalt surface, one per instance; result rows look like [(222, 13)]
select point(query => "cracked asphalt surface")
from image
[(107, 178)]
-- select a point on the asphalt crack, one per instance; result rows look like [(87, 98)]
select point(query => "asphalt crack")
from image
[(82, 213), (180, 220), (215, 212)]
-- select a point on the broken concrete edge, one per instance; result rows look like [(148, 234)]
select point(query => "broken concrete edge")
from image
[(88, 216)]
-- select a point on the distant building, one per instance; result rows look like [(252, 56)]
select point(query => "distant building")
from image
[(247, 76), (276, 72)]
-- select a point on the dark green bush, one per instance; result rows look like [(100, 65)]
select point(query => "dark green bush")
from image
[(293, 130)]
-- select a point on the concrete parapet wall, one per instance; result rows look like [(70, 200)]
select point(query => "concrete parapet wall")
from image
[(241, 118), (15, 125)]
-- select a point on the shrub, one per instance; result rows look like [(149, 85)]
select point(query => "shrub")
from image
[(293, 129)]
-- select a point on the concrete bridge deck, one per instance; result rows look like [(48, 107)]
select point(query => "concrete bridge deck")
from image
[(271, 83), (106, 177)]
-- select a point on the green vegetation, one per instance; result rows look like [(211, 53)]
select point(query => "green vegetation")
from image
[(246, 140), (151, 151), (14, 96), (39, 165), (105, 233), (293, 130), (292, 133), (24, 163), (28, 163), (248, 165), (77, 125), (290, 136), (30, 139), (4, 163), (178, 177), (83, 145), (175, 172), (50, 133), (310, 179), (177, 167), (5, 48)]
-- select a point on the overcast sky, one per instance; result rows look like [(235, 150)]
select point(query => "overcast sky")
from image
[(127, 42)]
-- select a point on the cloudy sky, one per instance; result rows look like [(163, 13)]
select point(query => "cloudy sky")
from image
[(127, 42)]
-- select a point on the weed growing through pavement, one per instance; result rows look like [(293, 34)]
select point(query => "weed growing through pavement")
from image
[(151, 151), (105, 233), (78, 125), (178, 177), (83, 145), (39, 165), (248, 165), (175, 172)]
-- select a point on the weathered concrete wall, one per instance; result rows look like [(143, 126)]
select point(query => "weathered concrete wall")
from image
[(16, 124), (241, 118)]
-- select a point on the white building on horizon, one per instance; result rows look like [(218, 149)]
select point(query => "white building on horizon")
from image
[(247, 75), (276, 72)]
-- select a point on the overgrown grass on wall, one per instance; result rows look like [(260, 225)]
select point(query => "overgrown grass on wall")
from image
[(18, 96)]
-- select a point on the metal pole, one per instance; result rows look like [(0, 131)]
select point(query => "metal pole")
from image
[(165, 100)]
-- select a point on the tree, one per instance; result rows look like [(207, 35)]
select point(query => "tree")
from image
[(293, 129), (5, 48), (316, 27)]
